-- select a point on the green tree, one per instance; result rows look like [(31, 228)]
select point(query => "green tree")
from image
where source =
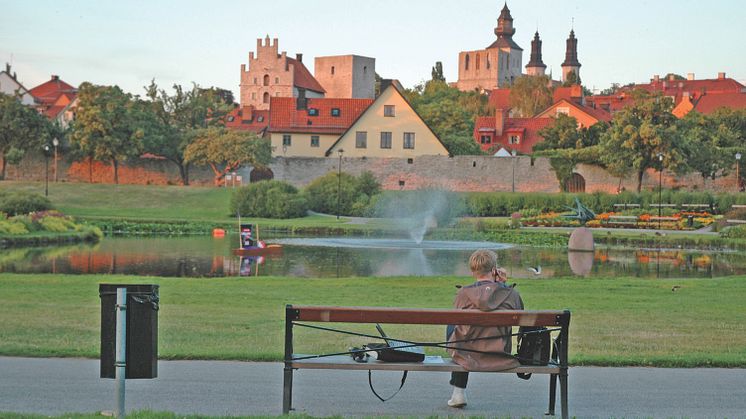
[(566, 145), (638, 133), (22, 129), (572, 79), (177, 118), (437, 72), (530, 95), (227, 150), (105, 125)]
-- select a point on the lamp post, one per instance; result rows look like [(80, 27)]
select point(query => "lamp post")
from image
[(738, 174), (512, 158), (46, 170), (55, 143), (339, 181), (660, 188)]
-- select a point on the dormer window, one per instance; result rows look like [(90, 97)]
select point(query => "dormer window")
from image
[(389, 110), (313, 112), (514, 139), (336, 112)]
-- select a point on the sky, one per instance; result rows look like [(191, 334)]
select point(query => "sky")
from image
[(130, 42)]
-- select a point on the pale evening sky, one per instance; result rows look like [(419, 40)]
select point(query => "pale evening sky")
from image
[(128, 43)]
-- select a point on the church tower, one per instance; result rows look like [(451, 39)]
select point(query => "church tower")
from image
[(536, 66), (571, 63)]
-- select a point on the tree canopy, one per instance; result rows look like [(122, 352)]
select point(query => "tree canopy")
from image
[(530, 95), (22, 129)]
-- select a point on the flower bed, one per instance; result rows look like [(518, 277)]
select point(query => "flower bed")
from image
[(682, 220)]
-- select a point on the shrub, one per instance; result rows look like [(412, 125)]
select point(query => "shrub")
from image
[(19, 203), (735, 232), (347, 194), (269, 199), (12, 227), (57, 224)]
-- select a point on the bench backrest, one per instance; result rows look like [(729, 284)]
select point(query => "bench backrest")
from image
[(428, 316)]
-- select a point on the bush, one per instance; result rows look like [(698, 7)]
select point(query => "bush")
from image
[(269, 199), (19, 203), (347, 194), (12, 227), (735, 232)]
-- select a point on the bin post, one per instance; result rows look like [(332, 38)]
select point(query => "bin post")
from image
[(120, 363)]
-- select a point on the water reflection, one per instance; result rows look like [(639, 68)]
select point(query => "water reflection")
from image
[(208, 257)]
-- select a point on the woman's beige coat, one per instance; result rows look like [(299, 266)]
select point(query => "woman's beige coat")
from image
[(485, 296)]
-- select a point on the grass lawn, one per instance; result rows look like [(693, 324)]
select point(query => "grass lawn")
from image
[(621, 321)]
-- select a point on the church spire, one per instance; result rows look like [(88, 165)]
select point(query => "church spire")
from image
[(536, 66), (505, 31), (571, 63)]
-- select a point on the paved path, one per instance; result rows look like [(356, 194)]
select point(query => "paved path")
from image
[(57, 386)]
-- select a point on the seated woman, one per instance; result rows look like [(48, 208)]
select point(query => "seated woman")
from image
[(488, 293)]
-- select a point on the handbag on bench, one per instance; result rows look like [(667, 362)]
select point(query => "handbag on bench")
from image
[(534, 347)]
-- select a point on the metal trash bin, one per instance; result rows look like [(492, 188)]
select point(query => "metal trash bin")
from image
[(690, 221), (142, 330)]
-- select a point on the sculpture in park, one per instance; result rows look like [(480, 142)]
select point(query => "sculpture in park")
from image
[(581, 213)]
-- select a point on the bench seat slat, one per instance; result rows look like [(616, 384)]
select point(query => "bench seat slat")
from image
[(428, 316), (343, 362)]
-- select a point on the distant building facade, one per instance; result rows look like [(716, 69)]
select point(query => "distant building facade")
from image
[(346, 76), (496, 66), (10, 86), (274, 74), (56, 100)]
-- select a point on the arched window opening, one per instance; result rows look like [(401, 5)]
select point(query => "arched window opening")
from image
[(266, 97), (266, 79)]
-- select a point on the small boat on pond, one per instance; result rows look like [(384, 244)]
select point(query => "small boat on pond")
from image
[(250, 245)]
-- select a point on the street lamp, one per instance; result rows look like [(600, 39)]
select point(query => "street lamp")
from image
[(55, 143), (46, 170), (513, 154), (738, 175), (660, 188), (339, 181)]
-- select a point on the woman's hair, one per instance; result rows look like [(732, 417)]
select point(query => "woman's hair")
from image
[(483, 261)]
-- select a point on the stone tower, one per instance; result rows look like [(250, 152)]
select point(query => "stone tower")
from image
[(346, 76), (536, 66), (496, 66), (571, 63)]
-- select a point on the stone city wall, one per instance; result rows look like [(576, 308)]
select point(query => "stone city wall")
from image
[(459, 173)]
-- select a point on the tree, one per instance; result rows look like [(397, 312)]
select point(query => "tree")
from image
[(105, 125), (572, 79), (21, 129), (179, 116), (530, 95), (227, 150), (710, 142), (437, 72), (566, 145), (610, 90), (449, 112), (638, 133)]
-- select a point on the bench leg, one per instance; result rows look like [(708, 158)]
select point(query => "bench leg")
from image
[(563, 394), (287, 391), (552, 394)]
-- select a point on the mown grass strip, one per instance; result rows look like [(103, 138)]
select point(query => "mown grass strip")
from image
[(618, 321)]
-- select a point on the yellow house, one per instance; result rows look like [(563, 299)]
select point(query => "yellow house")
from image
[(389, 127)]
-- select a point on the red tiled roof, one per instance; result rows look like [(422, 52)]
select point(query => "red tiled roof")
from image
[(48, 92), (709, 103), (53, 111), (597, 113), (527, 128), (573, 93), (500, 99), (247, 119), (284, 117), (303, 77)]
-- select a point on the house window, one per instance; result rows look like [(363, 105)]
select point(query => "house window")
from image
[(385, 140), (365, 70), (361, 139), (466, 62), (487, 61), (409, 140), (514, 139), (265, 99), (336, 112), (314, 141), (332, 70), (256, 81), (231, 118), (266, 79), (277, 80), (389, 110), (485, 139), (563, 111), (410, 161), (478, 62), (313, 112), (286, 140), (253, 96), (259, 119)]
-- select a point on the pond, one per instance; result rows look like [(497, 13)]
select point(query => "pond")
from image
[(356, 257)]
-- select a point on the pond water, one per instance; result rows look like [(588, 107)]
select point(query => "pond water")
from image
[(356, 257)]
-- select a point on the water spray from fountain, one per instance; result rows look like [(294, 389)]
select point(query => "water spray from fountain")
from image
[(419, 212)]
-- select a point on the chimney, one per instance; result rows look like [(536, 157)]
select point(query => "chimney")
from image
[(55, 77), (656, 78), (671, 77), (690, 76), (301, 103), (721, 75), (499, 122), (7, 68), (299, 57)]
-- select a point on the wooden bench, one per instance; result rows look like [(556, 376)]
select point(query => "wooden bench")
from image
[(663, 205), (625, 206), (696, 206), (623, 219), (297, 315)]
